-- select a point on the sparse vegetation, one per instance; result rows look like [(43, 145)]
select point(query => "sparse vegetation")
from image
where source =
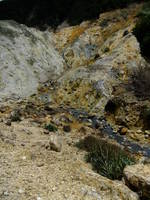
[(107, 159), (50, 127), (15, 116), (141, 81)]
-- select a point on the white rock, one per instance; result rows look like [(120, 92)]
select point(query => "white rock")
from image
[(55, 143), (27, 58), (20, 191)]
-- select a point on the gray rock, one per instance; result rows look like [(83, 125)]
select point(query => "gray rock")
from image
[(27, 58)]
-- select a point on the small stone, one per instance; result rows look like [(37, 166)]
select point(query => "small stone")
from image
[(20, 191), (24, 158), (6, 193), (147, 132), (123, 131), (65, 119), (147, 136), (54, 189), (40, 164), (46, 132), (55, 143), (139, 131), (8, 122)]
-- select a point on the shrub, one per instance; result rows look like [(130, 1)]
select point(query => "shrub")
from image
[(140, 81), (142, 29), (54, 12), (51, 128), (84, 10), (107, 159)]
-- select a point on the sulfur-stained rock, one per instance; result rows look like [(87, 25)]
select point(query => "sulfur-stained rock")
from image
[(99, 58)]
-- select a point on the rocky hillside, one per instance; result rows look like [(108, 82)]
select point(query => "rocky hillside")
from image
[(101, 55), (58, 88)]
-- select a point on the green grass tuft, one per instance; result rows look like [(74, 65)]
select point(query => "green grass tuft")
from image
[(107, 159), (51, 128)]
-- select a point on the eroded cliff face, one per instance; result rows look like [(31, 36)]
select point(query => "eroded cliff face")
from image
[(27, 58), (86, 66)]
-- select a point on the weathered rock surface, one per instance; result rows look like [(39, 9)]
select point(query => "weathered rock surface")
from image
[(27, 58), (99, 57), (138, 178)]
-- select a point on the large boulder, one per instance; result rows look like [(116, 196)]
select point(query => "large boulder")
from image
[(138, 178), (27, 58)]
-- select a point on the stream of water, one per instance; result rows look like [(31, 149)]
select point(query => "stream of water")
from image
[(106, 129)]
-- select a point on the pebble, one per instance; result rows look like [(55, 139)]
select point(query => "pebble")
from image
[(54, 189), (46, 132), (39, 198), (20, 191), (147, 136), (147, 132), (24, 158), (40, 164), (8, 122), (6, 193), (55, 143), (139, 131), (123, 131)]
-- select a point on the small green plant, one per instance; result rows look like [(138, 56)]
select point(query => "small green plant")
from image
[(15, 116), (51, 127), (108, 160)]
